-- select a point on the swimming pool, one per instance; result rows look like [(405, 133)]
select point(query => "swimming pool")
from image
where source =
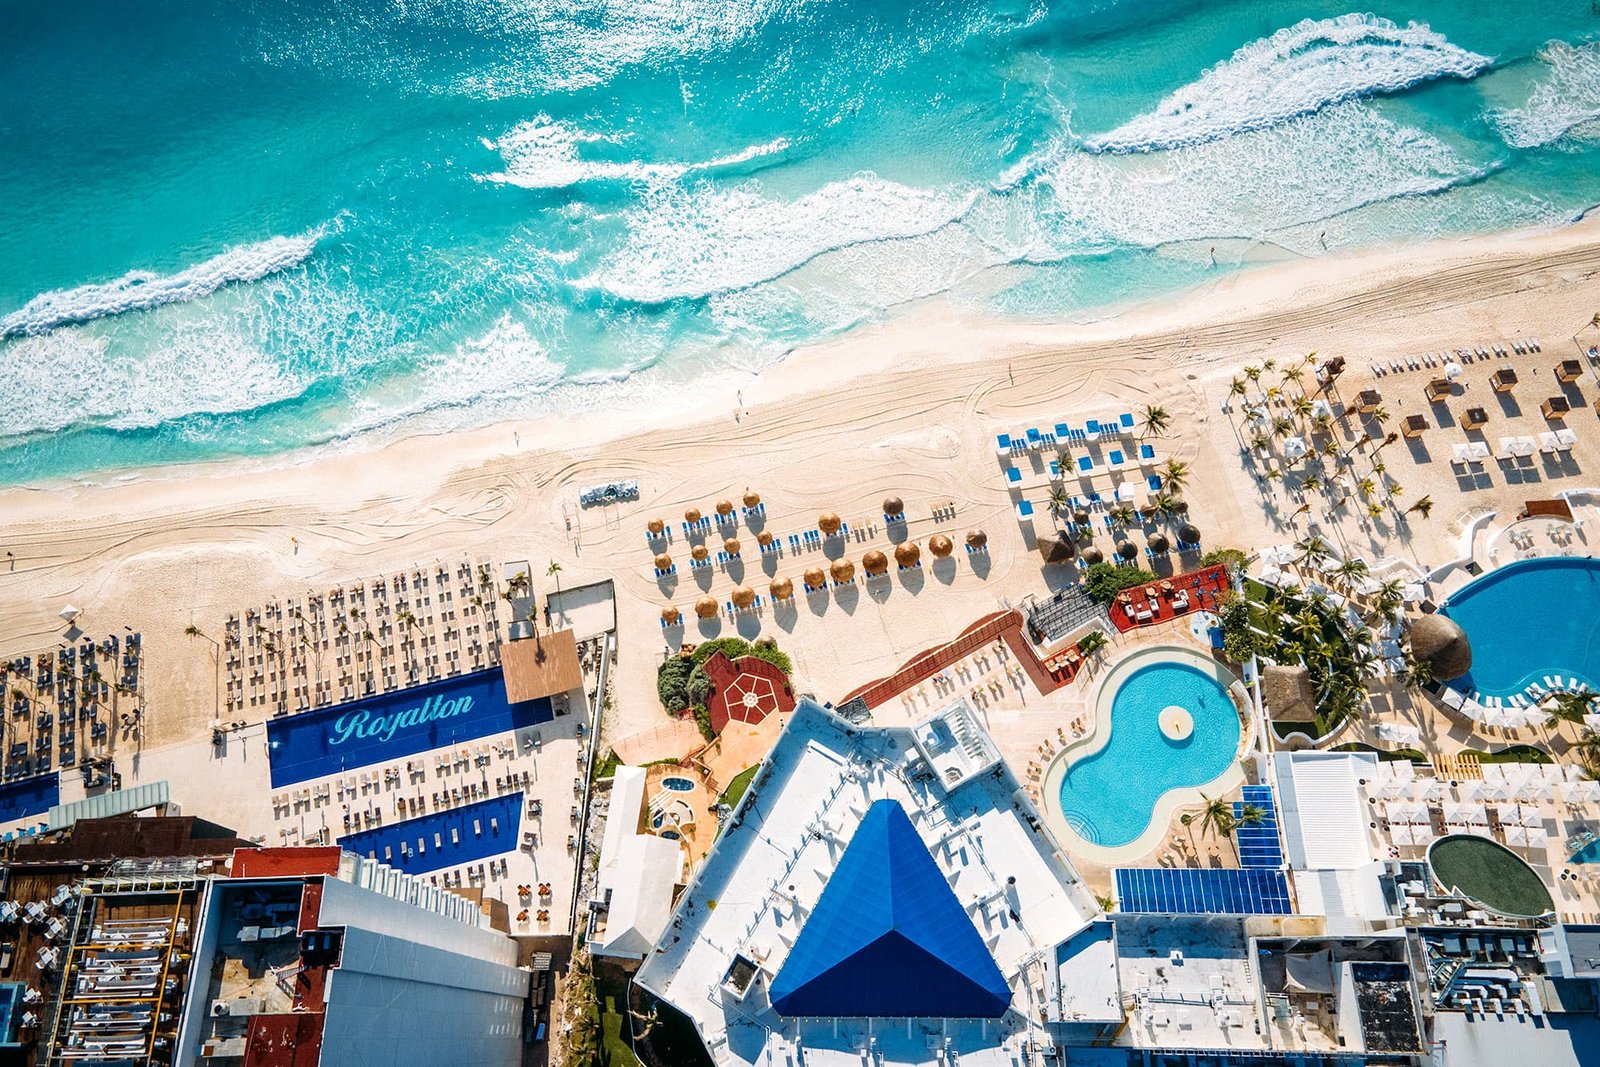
[(1109, 797), (677, 785), (1530, 620)]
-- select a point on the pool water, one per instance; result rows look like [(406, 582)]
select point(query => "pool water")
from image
[(1109, 797), (1589, 853), (1528, 620), (677, 785)]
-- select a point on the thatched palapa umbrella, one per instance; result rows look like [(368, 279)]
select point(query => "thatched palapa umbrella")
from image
[(1127, 550), (875, 563), (670, 616), (1058, 549), (655, 526), (731, 546), (724, 507), (699, 552), (691, 516), (663, 562), (1442, 644), (706, 607), (751, 498), (977, 538), (940, 545), (1093, 555), (815, 577), (1177, 503), (1081, 517), (842, 570), (743, 596), (1189, 533), (908, 554), (1159, 542), (829, 522), (782, 589), (893, 505), (764, 538)]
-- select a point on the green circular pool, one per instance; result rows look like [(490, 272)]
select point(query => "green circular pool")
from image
[(1490, 874)]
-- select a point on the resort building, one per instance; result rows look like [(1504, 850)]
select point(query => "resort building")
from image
[(881, 891), (638, 875)]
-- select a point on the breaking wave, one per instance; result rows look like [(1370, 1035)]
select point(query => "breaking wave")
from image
[(544, 153), (1566, 98)]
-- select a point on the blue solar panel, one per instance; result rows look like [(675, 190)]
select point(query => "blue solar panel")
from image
[(1202, 890), (1259, 845)]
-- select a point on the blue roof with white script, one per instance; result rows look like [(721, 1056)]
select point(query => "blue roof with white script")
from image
[(888, 938)]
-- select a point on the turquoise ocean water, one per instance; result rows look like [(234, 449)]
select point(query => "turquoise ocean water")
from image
[(240, 229)]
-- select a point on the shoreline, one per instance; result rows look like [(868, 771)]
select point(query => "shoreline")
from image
[(850, 352)]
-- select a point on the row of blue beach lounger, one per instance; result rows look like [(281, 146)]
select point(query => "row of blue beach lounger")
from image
[(1034, 439)]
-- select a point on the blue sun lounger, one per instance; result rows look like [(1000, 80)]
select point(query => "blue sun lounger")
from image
[(1147, 453), (1085, 464)]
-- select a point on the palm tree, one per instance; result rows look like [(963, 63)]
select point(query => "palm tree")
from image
[(1059, 500), (1374, 510), (1301, 407), (1311, 483), (1366, 487), (1568, 707), (1175, 475), (554, 571), (193, 631), (1216, 817), (1313, 550), (1423, 506), (1121, 514), (1156, 420), (1351, 571), (1307, 625), (1269, 364), (1236, 387), (1282, 425), (1417, 672)]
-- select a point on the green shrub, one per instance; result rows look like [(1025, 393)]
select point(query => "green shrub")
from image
[(702, 719), (699, 686), (1103, 581), (774, 656), (732, 647), (1232, 558), (672, 680)]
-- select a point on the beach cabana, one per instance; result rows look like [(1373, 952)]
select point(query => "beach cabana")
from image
[(706, 607), (1189, 533), (1368, 400), (781, 589), (1060, 549), (1570, 370), (815, 578), (1081, 517), (1442, 644), (1294, 447), (907, 555), (1472, 418), (1331, 368), (1414, 426), (1555, 409), (1437, 390), (829, 522), (874, 563), (940, 545), (1503, 380), (843, 571)]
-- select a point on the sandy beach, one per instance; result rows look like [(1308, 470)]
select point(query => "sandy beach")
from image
[(908, 407)]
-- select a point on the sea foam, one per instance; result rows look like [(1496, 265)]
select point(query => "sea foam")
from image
[(688, 243), (140, 290), (1299, 70), (1564, 99), (543, 153)]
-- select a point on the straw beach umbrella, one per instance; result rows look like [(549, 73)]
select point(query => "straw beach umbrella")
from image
[(940, 545), (731, 546), (743, 596), (1442, 644), (670, 616), (706, 607), (782, 589), (1189, 533), (691, 516), (1081, 517), (977, 538), (1159, 543), (842, 570), (751, 498), (829, 522), (700, 552), (1093, 555), (663, 562), (724, 507), (655, 526), (764, 538), (875, 563), (1058, 549), (815, 577), (1127, 550), (893, 505), (907, 554)]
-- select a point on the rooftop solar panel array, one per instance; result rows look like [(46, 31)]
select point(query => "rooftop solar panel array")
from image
[(1259, 845), (1202, 891)]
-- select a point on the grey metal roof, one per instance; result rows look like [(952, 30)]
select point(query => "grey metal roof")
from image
[(116, 802)]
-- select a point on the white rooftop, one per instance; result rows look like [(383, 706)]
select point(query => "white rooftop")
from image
[(1322, 814), (754, 891), (622, 822), (647, 871)]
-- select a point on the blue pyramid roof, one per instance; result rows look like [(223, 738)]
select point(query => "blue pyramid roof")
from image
[(888, 938)]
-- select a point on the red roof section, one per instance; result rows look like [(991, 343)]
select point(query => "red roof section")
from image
[(292, 1039), (747, 689), (285, 862)]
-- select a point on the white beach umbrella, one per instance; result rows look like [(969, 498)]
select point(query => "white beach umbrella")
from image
[(1478, 451), (68, 613), (1538, 837), (1452, 370), (1400, 833), (1516, 835), (1477, 815), (1471, 789), (1531, 817), (1582, 791)]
